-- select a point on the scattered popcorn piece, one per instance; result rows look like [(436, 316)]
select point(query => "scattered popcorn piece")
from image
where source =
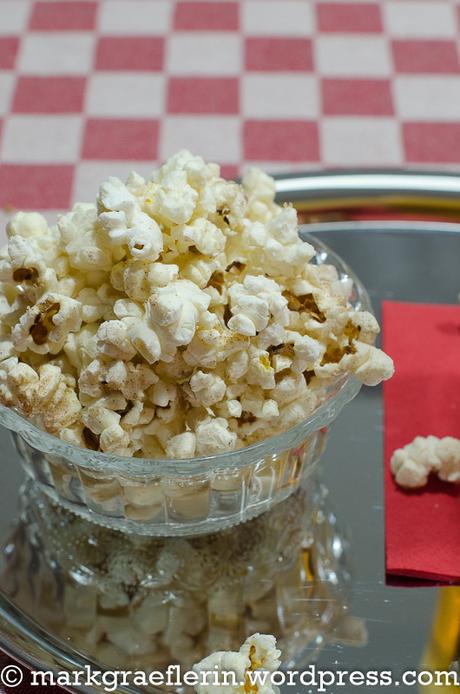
[(262, 652), (219, 663), (257, 654), (179, 315), (449, 457), (412, 464)]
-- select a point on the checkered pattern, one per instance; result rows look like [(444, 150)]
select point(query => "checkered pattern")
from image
[(90, 88)]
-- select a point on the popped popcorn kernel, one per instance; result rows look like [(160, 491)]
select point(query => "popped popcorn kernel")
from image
[(178, 315), (257, 654), (262, 652), (182, 445), (412, 464)]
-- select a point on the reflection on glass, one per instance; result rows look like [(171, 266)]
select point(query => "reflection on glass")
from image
[(143, 603)]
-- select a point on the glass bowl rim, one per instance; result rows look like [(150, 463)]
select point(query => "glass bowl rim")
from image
[(108, 463)]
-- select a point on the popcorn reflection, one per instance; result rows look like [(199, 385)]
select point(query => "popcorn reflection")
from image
[(143, 603)]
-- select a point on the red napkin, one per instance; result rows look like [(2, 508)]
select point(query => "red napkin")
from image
[(423, 397)]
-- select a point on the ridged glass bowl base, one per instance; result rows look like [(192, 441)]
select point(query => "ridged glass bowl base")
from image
[(173, 505), (130, 602)]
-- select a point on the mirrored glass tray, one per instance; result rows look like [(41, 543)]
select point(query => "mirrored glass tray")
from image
[(399, 232)]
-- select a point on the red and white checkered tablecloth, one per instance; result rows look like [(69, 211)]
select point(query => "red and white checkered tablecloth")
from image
[(94, 88), (90, 88)]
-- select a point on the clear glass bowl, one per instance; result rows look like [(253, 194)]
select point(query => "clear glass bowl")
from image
[(186, 497)]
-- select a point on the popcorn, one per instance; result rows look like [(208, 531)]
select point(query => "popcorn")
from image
[(292, 386), (81, 241), (115, 196), (449, 456), (113, 341), (260, 370), (139, 232), (201, 235), (162, 393), (275, 246), (230, 408), (161, 274), (207, 274), (175, 198), (93, 306), (253, 303), (262, 652), (17, 382), (308, 353), (143, 339), (182, 445), (6, 348), (115, 440), (212, 436), (412, 464), (25, 262), (44, 328), (174, 312), (178, 316), (260, 190), (238, 366), (207, 388), (29, 235), (296, 411), (367, 325), (29, 225), (229, 203), (258, 653), (373, 365), (219, 663), (198, 172), (46, 395), (138, 278), (97, 418)]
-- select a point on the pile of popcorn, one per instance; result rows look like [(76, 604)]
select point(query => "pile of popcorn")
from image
[(178, 316), (412, 465)]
